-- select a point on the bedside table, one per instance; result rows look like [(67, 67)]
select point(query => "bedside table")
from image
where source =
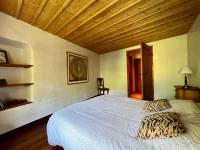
[(190, 93)]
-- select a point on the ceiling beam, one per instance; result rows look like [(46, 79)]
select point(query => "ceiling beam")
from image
[(181, 29), (151, 23), (111, 14), (57, 14), (90, 18), (130, 19), (135, 43), (77, 14), (39, 11), (19, 8), (144, 27), (157, 31)]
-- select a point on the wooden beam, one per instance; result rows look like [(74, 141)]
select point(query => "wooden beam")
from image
[(111, 14), (42, 5), (135, 43), (126, 20), (148, 23), (90, 18), (145, 27), (77, 14), (184, 23), (181, 29), (57, 14), (19, 8)]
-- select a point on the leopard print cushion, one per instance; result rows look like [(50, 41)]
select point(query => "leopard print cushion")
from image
[(160, 125), (157, 105)]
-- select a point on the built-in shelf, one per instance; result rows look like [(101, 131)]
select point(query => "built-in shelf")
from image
[(15, 103), (15, 65), (16, 84)]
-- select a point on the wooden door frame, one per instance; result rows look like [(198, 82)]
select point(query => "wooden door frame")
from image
[(127, 61)]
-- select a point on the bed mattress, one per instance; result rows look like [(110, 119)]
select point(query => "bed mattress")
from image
[(111, 123)]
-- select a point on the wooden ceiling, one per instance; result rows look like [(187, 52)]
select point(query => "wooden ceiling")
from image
[(106, 25)]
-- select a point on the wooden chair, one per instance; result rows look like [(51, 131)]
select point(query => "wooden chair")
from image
[(101, 88)]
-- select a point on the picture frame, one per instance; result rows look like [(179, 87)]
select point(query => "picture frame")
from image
[(77, 68), (3, 57)]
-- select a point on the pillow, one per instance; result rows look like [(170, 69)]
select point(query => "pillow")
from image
[(157, 105), (184, 106), (160, 125)]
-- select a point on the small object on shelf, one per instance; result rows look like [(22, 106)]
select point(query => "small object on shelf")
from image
[(1, 104), (15, 65), (3, 82), (3, 57)]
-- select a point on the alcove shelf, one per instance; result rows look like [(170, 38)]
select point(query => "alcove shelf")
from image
[(15, 65), (16, 84), (15, 103)]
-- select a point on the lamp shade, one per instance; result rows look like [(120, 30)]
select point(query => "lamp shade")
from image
[(186, 70)]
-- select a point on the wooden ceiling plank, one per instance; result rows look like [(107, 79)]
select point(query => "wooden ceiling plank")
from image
[(179, 29), (57, 14), (107, 17), (115, 20), (132, 25), (121, 23), (136, 43), (19, 8), (8, 6), (39, 11), (146, 40), (143, 29), (170, 17), (90, 18), (76, 15), (179, 24)]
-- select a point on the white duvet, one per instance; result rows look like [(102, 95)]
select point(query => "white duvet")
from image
[(111, 123)]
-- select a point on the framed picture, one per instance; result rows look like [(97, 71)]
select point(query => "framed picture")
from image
[(3, 57), (77, 68)]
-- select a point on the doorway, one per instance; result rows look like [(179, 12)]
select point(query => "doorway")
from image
[(140, 73), (134, 67)]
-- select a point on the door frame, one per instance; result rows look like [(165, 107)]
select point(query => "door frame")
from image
[(134, 51)]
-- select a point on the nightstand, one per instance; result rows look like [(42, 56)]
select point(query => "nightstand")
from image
[(190, 93)]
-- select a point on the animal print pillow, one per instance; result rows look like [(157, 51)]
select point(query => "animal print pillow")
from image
[(157, 105), (160, 125)]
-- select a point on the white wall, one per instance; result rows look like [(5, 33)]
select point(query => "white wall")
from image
[(194, 52), (169, 55), (50, 91)]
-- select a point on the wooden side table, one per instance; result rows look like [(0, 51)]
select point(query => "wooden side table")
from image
[(190, 93)]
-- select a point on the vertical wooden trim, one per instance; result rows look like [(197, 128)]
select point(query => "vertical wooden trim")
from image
[(73, 17), (57, 14), (127, 62), (39, 11), (19, 8)]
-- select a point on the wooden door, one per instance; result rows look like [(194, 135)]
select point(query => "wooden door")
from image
[(147, 72)]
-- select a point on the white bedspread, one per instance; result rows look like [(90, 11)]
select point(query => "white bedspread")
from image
[(111, 123)]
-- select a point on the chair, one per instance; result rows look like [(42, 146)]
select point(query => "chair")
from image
[(101, 88)]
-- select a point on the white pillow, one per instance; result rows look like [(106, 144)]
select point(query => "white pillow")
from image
[(184, 106)]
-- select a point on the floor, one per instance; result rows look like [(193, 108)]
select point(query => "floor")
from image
[(30, 137), (136, 96)]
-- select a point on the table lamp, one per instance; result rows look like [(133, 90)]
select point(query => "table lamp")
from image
[(185, 71)]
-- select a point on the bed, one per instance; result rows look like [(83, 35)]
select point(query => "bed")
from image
[(111, 123)]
